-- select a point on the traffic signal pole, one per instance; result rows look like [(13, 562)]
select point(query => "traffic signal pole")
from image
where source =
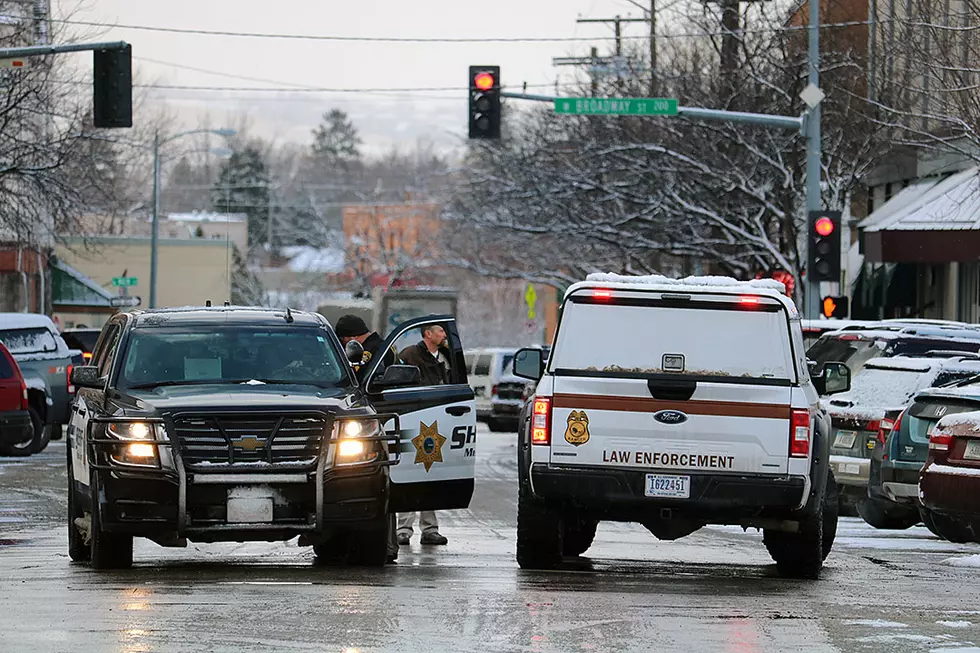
[(811, 295), (42, 50)]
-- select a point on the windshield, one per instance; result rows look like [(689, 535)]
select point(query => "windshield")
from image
[(853, 351), (28, 341), (638, 339), (238, 354)]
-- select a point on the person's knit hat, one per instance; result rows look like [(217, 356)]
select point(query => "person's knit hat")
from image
[(350, 326)]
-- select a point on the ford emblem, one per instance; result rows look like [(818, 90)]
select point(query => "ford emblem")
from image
[(670, 417)]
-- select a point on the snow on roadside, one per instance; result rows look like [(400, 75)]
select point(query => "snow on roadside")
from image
[(876, 623), (955, 624), (968, 561)]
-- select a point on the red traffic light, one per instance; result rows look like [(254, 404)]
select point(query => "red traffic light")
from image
[(824, 226), (483, 81)]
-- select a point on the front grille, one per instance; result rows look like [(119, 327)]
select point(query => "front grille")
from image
[(510, 391), (250, 438)]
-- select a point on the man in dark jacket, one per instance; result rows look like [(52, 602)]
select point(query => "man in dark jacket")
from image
[(351, 327), (433, 363), (428, 356)]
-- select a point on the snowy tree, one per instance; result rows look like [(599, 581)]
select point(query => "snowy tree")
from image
[(243, 187), (336, 143)]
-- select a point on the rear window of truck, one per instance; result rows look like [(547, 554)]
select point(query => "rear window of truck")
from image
[(615, 339), (28, 341)]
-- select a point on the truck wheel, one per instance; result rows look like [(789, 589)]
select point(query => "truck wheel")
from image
[(887, 516), (945, 527), (831, 514), (800, 554), (78, 548), (577, 536), (42, 433), (369, 548), (495, 425), (332, 551), (109, 550), (539, 534)]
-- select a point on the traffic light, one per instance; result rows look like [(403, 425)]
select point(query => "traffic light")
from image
[(484, 85), (113, 88), (835, 307), (823, 246)]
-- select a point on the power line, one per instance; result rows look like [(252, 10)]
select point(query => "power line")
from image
[(449, 40)]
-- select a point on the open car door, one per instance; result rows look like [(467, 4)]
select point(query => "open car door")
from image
[(438, 424)]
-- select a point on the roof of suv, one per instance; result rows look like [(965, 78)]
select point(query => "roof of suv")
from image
[(251, 315)]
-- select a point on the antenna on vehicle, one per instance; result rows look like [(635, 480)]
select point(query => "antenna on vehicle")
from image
[(207, 303), (289, 315)]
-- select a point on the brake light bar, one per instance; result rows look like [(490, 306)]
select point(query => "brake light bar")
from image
[(541, 421), (749, 300), (941, 441), (602, 294), (799, 434)]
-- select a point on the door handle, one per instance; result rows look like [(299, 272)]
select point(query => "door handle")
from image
[(457, 411)]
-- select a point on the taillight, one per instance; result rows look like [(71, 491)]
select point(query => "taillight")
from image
[(493, 390), (541, 421), (24, 405), (940, 441), (87, 355), (71, 388), (799, 434), (885, 427), (873, 425)]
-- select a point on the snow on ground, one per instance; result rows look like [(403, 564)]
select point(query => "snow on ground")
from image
[(875, 623), (955, 624), (968, 561)]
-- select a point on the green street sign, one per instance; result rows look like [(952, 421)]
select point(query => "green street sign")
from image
[(124, 281), (593, 106)]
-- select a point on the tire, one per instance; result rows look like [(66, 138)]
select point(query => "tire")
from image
[(42, 433), (577, 536), (800, 554), (831, 514), (495, 425), (78, 549), (367, 548), (333, 551), (886, 515), (25, 448), (946, 528), (58, 432), (108, 550), (539, 534)]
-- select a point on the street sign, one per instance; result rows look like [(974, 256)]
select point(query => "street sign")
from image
[(593, 106), (125, 301), (124, 282), (531, 299), (13, 63)]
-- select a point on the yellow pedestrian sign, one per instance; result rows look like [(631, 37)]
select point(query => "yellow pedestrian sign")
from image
[(531, 298)]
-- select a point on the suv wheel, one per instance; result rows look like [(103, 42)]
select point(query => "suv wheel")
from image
[(26, 448), (539, 534), (800, 554), (78, 549), (42, 433), (887, 515), (109, 550), (577, 535)]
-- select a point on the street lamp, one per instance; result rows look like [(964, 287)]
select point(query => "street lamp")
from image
[(157, 142)]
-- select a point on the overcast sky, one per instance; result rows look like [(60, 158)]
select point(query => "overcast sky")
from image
[(439, 116)]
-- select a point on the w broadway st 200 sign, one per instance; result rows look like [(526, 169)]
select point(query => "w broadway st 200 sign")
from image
[(593, 106)]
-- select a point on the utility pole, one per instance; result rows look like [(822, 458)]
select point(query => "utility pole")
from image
[(813, 197), (653, 48)]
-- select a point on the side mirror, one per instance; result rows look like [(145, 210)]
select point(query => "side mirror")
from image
[(397, 376), (354, 351), (529, 364), (834, 378), (87, 376)]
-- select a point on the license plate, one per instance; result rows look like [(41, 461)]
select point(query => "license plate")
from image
[(972, 450), (674, 487), (249, 511), (845, 439)]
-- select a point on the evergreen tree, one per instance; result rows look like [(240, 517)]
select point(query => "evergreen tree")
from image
[(336, 143), (243, 187)]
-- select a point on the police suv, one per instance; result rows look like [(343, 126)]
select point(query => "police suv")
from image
[(677, 404), (235, 424)]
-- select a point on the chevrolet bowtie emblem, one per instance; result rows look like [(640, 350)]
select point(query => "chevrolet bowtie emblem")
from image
[(248, 443)]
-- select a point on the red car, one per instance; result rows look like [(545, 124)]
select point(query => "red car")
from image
[(16, 427), (949, 485)]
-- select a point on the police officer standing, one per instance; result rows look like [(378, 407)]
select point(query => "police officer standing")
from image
[(351, 327)]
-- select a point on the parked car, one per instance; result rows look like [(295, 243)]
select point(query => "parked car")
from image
[(813, 329), (16, 419), (856, 346), (864, 415), (499, 394), (82, 339), (46, 363), (897, 460), (949, 485)]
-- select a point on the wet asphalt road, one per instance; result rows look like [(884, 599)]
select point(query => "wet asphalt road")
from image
[(713, 591)]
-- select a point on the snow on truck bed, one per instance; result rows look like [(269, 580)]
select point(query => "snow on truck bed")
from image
[(769, 287)]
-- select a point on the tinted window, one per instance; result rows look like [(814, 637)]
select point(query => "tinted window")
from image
[(84, 340), (231, 354), (105, 355), (483, 365), (28, 341), (853, 351), (6, 369), (506, 363)]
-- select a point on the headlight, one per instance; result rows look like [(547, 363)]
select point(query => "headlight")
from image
[(136, 453), (351, 449)]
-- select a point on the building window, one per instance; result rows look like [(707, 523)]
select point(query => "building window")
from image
[(888, 191), (871, 201)]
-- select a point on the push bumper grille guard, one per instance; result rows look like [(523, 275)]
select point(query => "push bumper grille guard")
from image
[(391, 435)]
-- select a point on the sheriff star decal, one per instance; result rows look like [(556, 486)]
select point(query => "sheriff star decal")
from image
[(428, 445)]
